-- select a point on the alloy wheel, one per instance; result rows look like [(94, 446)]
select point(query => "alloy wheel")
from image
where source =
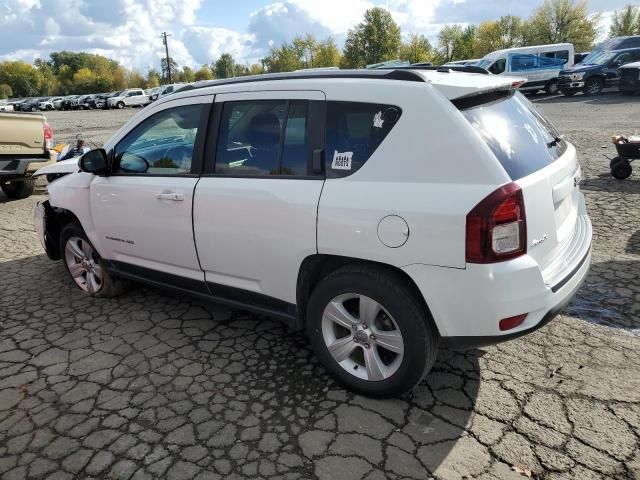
[(362, 337), (83, 264)]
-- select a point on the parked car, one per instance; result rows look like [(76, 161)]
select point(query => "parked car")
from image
[(132, 97), (630, 78), (15, 103), (152, 93), (57, 103), (48, 103), (6, 106), (165, 90), (70, 102), (597, 71), (98, 101), (461, 63), (85, 102), (384, 211), (26, 141), (539, 64), (32, 104)]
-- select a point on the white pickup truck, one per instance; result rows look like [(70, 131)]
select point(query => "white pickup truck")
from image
[(132, 97)]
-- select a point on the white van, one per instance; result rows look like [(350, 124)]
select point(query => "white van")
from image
[(540, 64)]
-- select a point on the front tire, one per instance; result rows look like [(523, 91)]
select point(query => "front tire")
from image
[(552, 88), (371, 331), (120, 105), (85, 266), (593, 86), (21, 189)]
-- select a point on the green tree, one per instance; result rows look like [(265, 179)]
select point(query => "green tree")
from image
[(187, 75), (506, 32), (558, 21), (134, 79), (164, 68), (5, 91), (224, 67), (376, 39), (456, 43), (326, 54), (23, 78), (204, 73), (153, 78), (625, 22), (286, 58), (416, 49), (256, 69)]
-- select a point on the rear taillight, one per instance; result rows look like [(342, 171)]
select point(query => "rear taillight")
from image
[(48, 136), (497, 227)]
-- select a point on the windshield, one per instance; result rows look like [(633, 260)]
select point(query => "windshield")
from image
[(484, 63), (598, 58), (522, 139)]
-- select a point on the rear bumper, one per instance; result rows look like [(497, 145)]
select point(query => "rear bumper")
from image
[(19, 167), (468, 304)]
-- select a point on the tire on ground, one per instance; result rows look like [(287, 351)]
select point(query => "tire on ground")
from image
[(389, 289), (19, 189), (593, 86), (111, 287)]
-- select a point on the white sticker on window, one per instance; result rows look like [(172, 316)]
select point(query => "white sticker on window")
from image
[(341, 160), (378, 122)]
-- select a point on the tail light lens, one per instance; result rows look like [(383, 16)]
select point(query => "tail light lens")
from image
[(511, 322), (497, 227), (48, 136)]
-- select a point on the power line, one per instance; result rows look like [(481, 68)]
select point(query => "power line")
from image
[(166, 46)]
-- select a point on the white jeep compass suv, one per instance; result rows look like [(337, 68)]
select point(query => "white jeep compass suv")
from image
[(386, 212)]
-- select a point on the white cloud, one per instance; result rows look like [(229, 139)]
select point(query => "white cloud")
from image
[(129, 30)]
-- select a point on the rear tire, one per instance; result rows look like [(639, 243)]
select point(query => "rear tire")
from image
[(84, 265), (393, 314), (593, 86), (620, 168), (21, 189)]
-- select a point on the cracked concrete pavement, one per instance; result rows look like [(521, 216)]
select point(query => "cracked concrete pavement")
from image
[(154, 384)]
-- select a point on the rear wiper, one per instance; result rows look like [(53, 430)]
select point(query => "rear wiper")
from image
[(554, 142)]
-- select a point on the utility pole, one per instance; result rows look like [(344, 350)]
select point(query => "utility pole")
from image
[(166, 46)]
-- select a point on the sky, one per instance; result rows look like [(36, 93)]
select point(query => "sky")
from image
[(201, 30)]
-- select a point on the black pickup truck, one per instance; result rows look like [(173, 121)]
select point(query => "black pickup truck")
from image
[(599, 70)]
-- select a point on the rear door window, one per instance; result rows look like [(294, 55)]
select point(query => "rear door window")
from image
[(354, 131), (521, 138), (264, 138)]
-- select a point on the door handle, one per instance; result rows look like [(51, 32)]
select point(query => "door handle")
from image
[(175, 196)]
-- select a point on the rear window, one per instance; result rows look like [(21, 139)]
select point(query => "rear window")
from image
[(354, 132), (522, 139)]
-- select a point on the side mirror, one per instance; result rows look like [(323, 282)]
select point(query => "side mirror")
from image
[(94, 161)]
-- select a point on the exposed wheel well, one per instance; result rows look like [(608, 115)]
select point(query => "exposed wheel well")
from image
[(316, 267), (55, 220)]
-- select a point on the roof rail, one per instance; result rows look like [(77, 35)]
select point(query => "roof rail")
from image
[(452, 68), (382, 74)]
